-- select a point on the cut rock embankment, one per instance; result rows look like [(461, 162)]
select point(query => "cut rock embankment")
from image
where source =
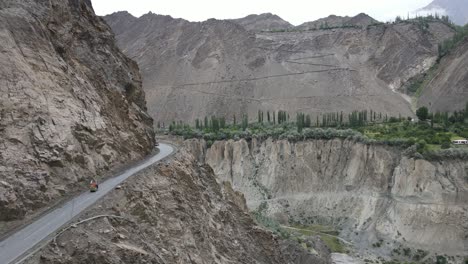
[(71, 104)]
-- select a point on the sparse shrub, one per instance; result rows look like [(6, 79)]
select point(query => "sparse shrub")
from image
[(445, 145), (421, 146), (420, 254), (447, 154), (422, 113), (466, 173), (441, 260), (407, 251), (378, 244)]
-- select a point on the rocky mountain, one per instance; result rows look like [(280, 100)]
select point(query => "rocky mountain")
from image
[(71, 104), (192, 70), (379, 198), (457, 10), (173, 213), (448, 89), (360, 20), (263, 22)]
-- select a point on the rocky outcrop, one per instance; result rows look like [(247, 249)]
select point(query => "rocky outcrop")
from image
[(172, 213), (192, 70), (448, 89), (369, 192), (71, 104)]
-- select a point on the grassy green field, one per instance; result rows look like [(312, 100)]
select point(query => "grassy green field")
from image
[(328, 235)]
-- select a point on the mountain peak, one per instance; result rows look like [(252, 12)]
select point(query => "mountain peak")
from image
[(363, 15), (122, 13), (260, 22), (361, 19)]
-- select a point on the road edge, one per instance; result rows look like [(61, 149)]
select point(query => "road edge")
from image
[(50, 237)]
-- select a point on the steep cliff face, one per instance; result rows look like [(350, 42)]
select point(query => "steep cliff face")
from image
[(370, 192), (172, 213), (448, 90), (192, 70), (71, 104)]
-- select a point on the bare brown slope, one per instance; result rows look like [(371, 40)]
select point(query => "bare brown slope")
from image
[(192, 70), (448, 90), (71, 104), (172, 213)]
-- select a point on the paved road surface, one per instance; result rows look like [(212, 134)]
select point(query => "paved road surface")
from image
[(15, 246)]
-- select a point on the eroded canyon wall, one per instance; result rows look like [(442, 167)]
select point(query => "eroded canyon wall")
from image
[(369, 192)]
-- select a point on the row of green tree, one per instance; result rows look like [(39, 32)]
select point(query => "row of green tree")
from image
[(338, 120), (461, 116), (423, 21), (426, 18), (354, 119)]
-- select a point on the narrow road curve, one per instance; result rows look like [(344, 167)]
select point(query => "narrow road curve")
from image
[(15, 246)]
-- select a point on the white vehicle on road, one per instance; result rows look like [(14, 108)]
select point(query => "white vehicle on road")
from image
[(460, 142)]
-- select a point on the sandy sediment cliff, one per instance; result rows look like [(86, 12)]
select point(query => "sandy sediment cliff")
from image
[(370, 192)]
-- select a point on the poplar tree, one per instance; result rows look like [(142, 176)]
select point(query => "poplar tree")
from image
[(245, 122)]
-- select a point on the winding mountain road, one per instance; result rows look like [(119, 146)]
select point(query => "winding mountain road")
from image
[(14, 248)]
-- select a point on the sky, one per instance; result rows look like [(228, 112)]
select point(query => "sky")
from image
[(293, 11)]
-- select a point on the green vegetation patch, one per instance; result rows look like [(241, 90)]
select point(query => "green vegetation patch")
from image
[(297, 233), (328, 235), (333, 243), (261, 219), (432, 134), (450, 44)]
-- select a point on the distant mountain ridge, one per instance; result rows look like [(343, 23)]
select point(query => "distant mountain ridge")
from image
[(262, 22), (457, 10), (272, 22), (194, 69), (338, 21)]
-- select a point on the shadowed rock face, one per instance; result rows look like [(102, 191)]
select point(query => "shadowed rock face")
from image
[(448, 90), (71, 104), (192, 70), (173, 213), (369, 192)]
